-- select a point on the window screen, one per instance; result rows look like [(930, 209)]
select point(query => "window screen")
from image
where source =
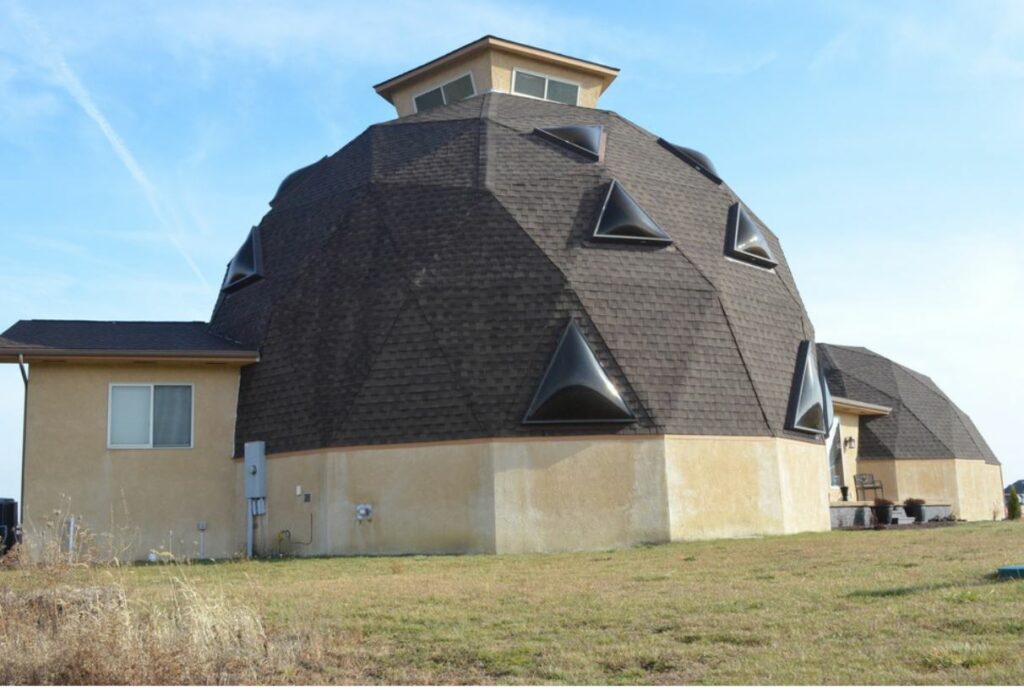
[(129, 416), (172, 416), (561, 92), (458, 89), (529, 85), (430, 99)]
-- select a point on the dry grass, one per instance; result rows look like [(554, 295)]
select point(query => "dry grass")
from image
[(887, 607)]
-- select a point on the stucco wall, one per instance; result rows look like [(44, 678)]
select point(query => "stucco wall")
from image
[(481, 496), (973, 488), (738, 486), (849, 426), (131, 500)]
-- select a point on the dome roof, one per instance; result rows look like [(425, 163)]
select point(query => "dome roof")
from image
[(924, 422), (416, 284)]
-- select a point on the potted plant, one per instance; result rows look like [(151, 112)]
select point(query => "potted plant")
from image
[(914, 507), (883, 511)]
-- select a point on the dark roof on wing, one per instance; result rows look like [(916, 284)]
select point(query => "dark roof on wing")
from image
[(189, 339), (416, 283), (924, 422)]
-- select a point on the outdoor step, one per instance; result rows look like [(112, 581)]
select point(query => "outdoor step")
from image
[(903, 520)]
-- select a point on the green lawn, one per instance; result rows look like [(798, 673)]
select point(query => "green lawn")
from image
[(867, 607)]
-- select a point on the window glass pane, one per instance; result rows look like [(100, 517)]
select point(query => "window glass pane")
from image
[(835, 455), (529, 85), (129, 416), (172, 416), (428, 100), (458, 89), (561, 92)]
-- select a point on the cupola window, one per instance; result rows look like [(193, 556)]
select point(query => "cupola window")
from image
[(446, 94), (546, 88)]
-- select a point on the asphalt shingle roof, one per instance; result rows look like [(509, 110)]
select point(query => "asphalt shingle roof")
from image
[(416, 283), (182, 337), (924, 422)]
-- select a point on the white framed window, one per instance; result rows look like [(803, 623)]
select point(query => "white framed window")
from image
[(546, 88), (150, 415), (446, 94)]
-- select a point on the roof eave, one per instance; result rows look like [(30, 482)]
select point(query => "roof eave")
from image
[(859, 407), (9, 355), (385, 88)]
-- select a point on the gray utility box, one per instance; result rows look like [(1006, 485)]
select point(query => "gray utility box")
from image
[(255, 469)]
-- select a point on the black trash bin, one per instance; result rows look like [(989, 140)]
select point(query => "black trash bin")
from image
[(8, 523)]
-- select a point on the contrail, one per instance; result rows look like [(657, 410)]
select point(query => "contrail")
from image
[(51, 56)]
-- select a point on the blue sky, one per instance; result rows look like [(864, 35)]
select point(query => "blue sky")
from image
[(881, 141)]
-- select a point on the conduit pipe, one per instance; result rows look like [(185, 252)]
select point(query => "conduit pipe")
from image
[(24, 435)]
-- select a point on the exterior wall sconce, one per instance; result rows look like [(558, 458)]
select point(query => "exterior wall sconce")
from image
[(849, 443)]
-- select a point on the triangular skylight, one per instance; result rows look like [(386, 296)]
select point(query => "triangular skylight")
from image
[(807, 399), (695, 159), (586, 140), (575, 389), (623, 220), (826, 397), (246, 266), (292, 179), (745, 241)]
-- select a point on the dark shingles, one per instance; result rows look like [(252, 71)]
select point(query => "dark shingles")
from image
[(418, 280), (924, 422), (112, 336)]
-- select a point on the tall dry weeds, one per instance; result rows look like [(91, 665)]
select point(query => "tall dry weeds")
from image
[(71, 619)]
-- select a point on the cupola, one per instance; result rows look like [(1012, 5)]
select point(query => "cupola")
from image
[(493, 64)]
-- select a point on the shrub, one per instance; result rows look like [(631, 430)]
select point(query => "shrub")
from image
[(911, 502), (883, 502), (1013, 505)]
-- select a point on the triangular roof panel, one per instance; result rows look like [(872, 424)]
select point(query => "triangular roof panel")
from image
[(575, 389), (807, 404), (695, 159), (246, 266), (624, 220), (586, 140), (745, 241)]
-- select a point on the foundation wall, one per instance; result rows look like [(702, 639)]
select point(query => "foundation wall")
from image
[(972, 487), (732, 487)]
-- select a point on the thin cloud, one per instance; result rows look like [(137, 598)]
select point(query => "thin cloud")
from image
[(52, 58)]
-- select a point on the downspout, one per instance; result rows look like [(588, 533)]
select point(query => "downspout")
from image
[(24, 435)]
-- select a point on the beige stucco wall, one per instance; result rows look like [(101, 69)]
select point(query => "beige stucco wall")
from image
[(492, 71), (480, 496), (973, 488), (849, 426), (503, 64), (545, 494), (131, 500), (737, 486), (478, 65)]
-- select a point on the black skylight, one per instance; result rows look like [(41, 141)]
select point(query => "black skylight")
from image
[(292, 178), (745, 241), (695, 159), (826, 398), (807, 399), (247, 265), (575, 389), (586, 140), (623, 220)]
